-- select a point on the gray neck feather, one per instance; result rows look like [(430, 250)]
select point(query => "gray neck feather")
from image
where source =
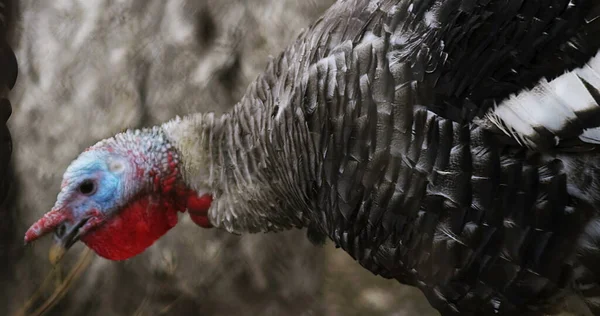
[(256, 160)]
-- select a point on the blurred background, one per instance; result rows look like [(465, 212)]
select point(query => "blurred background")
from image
[(89, 69)]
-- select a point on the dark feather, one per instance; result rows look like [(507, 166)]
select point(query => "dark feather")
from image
[(411, 186), (371, 128)]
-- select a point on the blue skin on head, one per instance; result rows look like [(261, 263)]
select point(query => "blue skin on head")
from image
[(93, 190), (120, 196), (107, 172)]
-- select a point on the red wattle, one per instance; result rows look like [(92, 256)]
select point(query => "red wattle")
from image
[(201, 221), (135, 228), (198, 208)]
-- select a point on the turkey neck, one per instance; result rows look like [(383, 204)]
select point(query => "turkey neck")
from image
[(255, 161)]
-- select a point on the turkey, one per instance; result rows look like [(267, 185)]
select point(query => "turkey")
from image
[(450, 145)]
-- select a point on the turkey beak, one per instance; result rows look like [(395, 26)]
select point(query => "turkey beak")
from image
[(65, 236)]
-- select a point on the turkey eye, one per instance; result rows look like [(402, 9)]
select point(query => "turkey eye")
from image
[(87, 187)]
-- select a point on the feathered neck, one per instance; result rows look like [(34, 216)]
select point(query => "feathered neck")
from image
[(257, 175), (257, 160)]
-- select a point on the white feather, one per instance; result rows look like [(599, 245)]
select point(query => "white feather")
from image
[(550, 105), (572, 92), (591, 135), (509, 111)]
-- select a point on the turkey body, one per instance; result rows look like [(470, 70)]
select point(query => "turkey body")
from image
[(413, 188), (450, 145)]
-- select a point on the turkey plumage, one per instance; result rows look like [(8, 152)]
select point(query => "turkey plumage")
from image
[(451, 145)]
